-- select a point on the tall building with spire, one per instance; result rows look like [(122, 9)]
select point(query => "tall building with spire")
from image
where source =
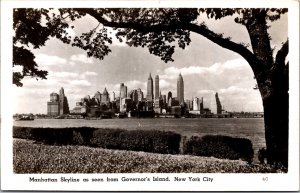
[(149, 96), (156, 87), (180, 89)]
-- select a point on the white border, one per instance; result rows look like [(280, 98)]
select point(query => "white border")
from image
[(222, 182)]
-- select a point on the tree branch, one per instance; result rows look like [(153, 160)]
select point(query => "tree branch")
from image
[(226, 43), (200, 29)]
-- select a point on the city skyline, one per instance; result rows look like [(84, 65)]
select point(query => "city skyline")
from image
[(134, 101), (205, 69)]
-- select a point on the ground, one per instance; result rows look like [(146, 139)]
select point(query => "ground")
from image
[(31, 157)]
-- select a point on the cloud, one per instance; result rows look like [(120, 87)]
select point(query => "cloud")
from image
[(70, 32), (205, 91), (131, 85), (81, 58), (234, 98), (48, 60), (64, 75), (235, 90), (135, 84), (163, 84), (215, 69), (79, 83), (88, 74)]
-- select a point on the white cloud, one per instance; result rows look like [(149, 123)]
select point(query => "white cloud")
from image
[(135, 84), (72, 63), (235, 90), (205, 91), (81, 58), (80, 83), (64, 75), (215, 69), (235, 98), (48, 60), (164, 84), (87, 74)]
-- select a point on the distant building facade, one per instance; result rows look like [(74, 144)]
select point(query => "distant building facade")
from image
[(169, 96), (58, 104), (105, 97), (198, 104), (140, 94), (157, 93), (149, 96), (219, 106), (216, 107), (180, 90), (123, 91)]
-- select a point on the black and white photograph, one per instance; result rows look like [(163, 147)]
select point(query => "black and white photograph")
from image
[(150, 96)]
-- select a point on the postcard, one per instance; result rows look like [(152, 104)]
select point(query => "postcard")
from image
[(150, 95)]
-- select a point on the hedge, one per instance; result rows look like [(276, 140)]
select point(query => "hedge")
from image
[(218, 146), (154, 141), (135, 140)]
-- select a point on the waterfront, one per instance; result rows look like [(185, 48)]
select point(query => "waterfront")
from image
[(251, 128)]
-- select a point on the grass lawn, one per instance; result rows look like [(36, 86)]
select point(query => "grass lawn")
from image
[(30, 157)]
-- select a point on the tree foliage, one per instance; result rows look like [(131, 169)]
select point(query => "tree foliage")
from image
[(158, 29), (33, 27)]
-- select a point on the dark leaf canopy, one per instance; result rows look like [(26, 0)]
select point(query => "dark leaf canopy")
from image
[(25, 58)]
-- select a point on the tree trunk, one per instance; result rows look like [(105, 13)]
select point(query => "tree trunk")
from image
[(276, 128), (272, 80)]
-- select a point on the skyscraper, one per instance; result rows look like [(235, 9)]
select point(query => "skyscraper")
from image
[(63, 103), (123, 91), (114, 96), (216, 106), (98, 97), (169, 96), (219, 106), (150, 88), (196, 104), (156, 87), (53, 105), (105, 97), (180, 90), (140, 94), (201, 106), (58, 104)]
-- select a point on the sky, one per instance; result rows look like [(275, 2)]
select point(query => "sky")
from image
[(206, 68)]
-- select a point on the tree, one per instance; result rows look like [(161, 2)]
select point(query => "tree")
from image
[(160, 30)]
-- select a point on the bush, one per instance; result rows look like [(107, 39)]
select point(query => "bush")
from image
[(135, 140), (22, 132), (220, 147), (151, 141), (57, 136), (106, 138), (82, 135)]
